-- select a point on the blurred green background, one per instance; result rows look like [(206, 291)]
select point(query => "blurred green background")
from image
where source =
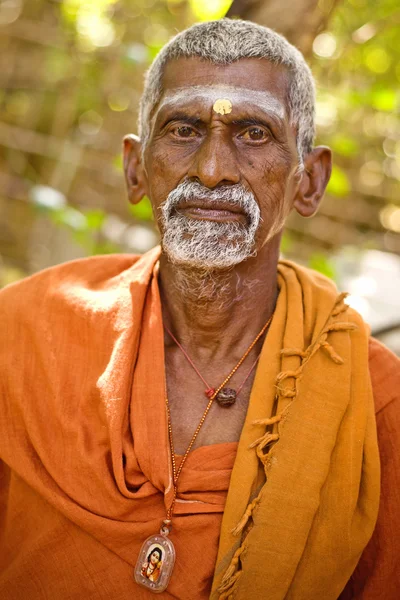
[(71, 75)]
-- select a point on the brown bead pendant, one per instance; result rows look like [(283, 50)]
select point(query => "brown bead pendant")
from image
[(226, 397)]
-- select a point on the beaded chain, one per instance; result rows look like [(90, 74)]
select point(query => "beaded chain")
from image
[(176, 472)]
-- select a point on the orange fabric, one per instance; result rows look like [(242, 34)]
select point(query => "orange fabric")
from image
[(84, 460), (378, 572), (84, 464), (319, 504)]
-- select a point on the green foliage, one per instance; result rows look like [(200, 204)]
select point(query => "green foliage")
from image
[(339, 184), (142, 211), (286, 243), (321, 263), (79, 89), (208, 10), (357, 67), (384, 100), (345, 145), (85, 227)]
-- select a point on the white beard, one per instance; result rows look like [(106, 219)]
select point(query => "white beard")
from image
[(209, 245)]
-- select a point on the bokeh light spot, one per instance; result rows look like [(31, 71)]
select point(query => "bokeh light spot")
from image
[(326, 113), (390, 217), (90, 122), (10, 10), (339, 184), (377, 60), (364, 33), (118, 101), (206, 10), (371, 174), (384, 99), (47, 197), (137, 53), (325, 45)]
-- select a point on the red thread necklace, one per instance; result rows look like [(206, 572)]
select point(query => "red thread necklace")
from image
[(226, 396), (160, 544)]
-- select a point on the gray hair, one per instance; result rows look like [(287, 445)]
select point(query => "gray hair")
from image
[(226, 41)]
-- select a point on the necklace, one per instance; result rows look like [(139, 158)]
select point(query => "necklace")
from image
[(226, 396), (160, 544)]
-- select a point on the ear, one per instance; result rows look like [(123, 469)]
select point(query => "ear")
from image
[(135, 176), (314, 179)]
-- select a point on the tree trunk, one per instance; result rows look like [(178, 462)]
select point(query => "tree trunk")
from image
[(298, 21)]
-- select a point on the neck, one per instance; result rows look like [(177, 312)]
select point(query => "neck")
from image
[(210, 311)]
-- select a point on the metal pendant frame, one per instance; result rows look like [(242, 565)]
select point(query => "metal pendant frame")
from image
[(158, 580)]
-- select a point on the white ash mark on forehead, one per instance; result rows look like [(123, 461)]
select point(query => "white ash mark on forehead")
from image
[(236, 95)]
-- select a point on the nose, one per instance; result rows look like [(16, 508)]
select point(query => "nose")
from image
[(215, 162)]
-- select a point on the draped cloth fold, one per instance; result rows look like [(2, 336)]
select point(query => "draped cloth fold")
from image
[(310, 494), (85, 470), (85, 466)]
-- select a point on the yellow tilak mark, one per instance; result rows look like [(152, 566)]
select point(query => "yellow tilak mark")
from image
[(222, 106)]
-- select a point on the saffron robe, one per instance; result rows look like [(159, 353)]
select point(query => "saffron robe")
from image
[(85, 471)]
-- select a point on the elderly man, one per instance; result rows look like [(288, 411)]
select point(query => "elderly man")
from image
[(201, 421)]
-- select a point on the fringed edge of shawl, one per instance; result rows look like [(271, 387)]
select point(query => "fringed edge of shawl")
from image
[(265, 444)]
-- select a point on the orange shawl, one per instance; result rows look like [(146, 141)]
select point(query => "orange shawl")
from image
[(310, 431), (85, 470), (83, 438)]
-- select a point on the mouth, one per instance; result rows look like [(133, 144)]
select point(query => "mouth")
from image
[(211, 211)]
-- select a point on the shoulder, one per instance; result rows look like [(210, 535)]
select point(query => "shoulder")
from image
[(63, 297), (86, 281), (385, 378), (90, 272), (384, 367), (378, 571)]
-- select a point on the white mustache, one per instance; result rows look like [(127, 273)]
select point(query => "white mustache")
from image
[(235, 195)]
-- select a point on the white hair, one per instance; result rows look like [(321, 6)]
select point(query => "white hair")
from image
[(227, 41)]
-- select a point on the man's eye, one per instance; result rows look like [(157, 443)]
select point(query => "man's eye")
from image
[(256, 134), (184, 131)]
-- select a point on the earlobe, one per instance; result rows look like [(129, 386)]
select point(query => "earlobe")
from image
[(314, 179), (133, 167)]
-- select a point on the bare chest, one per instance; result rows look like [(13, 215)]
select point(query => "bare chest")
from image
[(188, 401)]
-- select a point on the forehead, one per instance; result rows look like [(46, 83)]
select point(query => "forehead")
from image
[(213, 95), (246, 78)]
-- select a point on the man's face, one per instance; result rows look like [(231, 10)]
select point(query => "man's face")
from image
[(244, 150)]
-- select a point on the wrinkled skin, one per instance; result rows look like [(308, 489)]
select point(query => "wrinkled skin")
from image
[(217, 151), (254, 144)]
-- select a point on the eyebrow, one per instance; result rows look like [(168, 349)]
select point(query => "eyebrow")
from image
[(250, 121), (182, 116), (196, 121)]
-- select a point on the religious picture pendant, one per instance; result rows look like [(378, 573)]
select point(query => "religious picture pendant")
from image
[(155, 562)]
